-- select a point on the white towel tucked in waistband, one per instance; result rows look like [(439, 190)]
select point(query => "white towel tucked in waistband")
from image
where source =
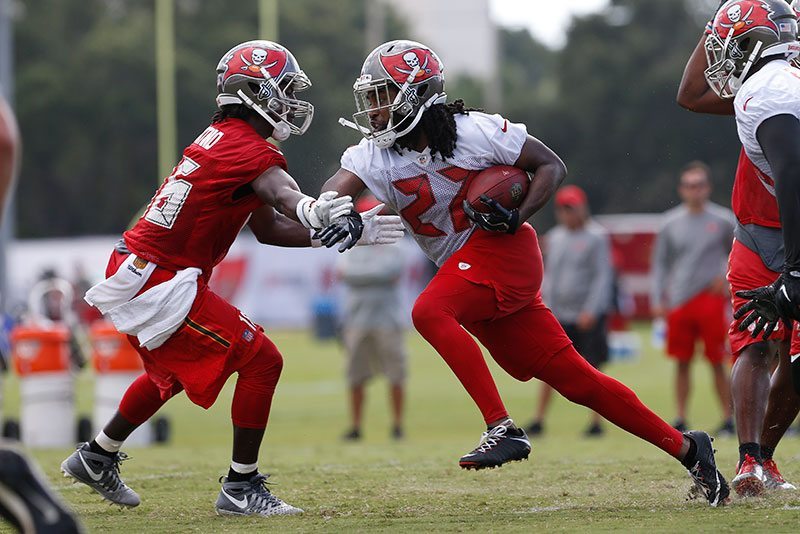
[(154, 315)]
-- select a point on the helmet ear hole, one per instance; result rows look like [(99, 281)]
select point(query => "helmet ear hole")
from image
[(421, 89), (253, 87)]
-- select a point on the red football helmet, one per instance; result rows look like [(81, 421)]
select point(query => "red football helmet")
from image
[(264, 76), (404, 77), (743, 32)]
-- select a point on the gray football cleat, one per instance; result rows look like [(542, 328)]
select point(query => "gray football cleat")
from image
[(251, 497), (101, 473)]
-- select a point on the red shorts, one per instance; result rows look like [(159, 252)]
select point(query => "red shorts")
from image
[(747, 271), (214, 341), (520, 332), (705, 316), (509, 264)]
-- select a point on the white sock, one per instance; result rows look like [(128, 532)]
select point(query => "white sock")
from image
[(244, 469), (108, 444)]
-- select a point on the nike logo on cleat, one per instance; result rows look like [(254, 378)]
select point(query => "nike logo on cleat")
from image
[(241, 503), (94, 476)]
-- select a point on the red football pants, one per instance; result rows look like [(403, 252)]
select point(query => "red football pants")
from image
[(252, 397), (525, 344)]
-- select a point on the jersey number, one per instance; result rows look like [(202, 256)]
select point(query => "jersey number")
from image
[(420, 187), (170, 198)]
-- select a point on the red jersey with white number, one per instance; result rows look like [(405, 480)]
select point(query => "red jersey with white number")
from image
[(200, 208), (773, 90), (428, 191)]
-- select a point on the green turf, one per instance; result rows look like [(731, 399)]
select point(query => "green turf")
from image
[(570, 484)]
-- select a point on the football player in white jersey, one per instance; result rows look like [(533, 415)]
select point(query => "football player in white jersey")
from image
[(764, 406), (418, 156)]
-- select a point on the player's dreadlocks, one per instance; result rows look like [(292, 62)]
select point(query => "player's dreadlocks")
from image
[(439, 124), (231, 111)]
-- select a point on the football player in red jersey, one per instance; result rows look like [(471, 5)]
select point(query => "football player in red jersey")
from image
[(763, 408), (419, 156), (156, 290)]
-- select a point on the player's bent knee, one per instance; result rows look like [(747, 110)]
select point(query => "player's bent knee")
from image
[(427, 312)]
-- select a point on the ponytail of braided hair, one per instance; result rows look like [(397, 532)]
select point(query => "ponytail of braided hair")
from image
[(439, 124)]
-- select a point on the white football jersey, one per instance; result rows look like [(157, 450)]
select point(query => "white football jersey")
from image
[(428, 191), (773, 90)]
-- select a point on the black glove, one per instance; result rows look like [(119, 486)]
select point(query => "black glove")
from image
[(787, 296), (499, 219), (762, 309), (347, 229)]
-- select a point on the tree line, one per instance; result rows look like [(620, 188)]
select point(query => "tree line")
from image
[(85, 100)]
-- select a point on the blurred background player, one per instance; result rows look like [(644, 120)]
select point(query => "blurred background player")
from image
[(689, 287), (577, 287), (26, 501), (764, 403), (417, 155), (188, 337), (373, 328)]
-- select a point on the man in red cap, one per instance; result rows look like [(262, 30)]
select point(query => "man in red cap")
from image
[(577, 287)]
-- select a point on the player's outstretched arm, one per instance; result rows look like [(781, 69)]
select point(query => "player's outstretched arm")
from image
[(345, 182), (278, 189), (548, 172), (273, 228)]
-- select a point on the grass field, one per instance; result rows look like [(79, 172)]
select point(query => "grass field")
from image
[(570, 484)]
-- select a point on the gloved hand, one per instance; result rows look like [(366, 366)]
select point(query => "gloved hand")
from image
[(761, 309), (347, 229), (380, 229), (499, 219), (787, 296), (323, 211)]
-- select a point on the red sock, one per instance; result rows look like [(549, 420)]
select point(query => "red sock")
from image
[(581, 383), (142, 400), (255, 387), (439, 311)]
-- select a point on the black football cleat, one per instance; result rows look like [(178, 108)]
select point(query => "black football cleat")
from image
[(708, 481), (499, 445), (26, 500)]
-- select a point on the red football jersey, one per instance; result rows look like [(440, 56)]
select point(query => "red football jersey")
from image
[(753, 199), (200, 208)]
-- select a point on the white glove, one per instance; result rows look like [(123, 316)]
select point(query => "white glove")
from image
[(319, 213), (380, 229)]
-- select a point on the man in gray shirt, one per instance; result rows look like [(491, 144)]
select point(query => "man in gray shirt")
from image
[(577, 287), (689, 290), (373, 325)]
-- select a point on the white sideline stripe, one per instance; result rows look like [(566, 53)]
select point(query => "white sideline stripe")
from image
[(183, 474)]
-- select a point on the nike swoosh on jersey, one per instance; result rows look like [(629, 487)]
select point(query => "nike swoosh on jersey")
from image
[(94, 476), (504, 129), (241, 503)]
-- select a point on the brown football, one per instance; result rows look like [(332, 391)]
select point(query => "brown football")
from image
[(506, 184)]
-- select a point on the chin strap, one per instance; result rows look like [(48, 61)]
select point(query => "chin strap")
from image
[(280, 130), (387, 138)]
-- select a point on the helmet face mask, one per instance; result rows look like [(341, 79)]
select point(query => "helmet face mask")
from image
[(398, 82), (264, 76), (743, 33)]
